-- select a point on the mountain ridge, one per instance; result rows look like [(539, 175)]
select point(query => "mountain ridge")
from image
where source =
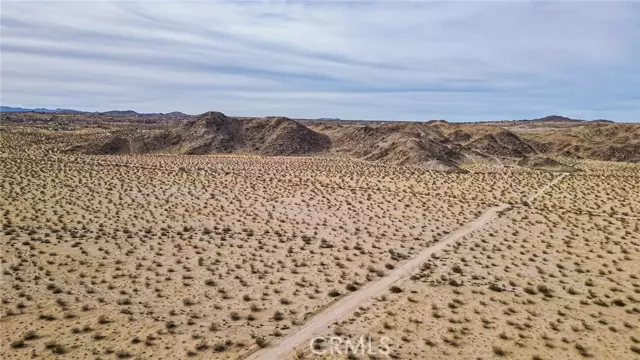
[(435, 144)]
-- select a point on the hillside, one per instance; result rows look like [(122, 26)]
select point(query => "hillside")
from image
[(397, 144), (215, 133), (435, 144)]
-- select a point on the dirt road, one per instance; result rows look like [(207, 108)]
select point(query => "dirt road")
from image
[(544, 188), (351, 302), (338, 310)]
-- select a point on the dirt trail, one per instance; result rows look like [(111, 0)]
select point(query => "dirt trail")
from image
[(355, 299), (544, 188), (497, 159), (338, 310)]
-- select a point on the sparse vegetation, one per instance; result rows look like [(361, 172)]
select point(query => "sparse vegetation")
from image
[(166, 253)]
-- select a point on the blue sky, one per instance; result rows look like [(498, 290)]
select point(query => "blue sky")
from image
[(398, 60)]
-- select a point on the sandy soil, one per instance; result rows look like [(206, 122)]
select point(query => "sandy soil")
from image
[(542, 281), (349, 303), (209, 256), (214, 257)]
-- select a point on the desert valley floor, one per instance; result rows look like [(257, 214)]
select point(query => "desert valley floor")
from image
[(221, 257)]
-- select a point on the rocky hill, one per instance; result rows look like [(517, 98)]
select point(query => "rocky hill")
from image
[(545, 163), (434, 144), (414, 144), (439, 144), (215, 133)]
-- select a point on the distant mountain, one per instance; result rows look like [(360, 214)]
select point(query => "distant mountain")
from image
[(130, 113), (176, 114), (40, 110), (119, 113), (556, 118)]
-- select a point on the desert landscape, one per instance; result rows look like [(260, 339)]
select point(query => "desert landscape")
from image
[(127, 235)]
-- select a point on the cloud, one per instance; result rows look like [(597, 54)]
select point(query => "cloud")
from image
[(368, 60)]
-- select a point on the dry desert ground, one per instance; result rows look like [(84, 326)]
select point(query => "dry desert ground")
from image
[(224, 257)]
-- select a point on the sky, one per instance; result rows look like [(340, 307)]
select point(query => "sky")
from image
[(389, 60)]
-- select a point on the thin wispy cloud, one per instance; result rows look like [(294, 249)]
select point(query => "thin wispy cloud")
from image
[(367, 60)]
